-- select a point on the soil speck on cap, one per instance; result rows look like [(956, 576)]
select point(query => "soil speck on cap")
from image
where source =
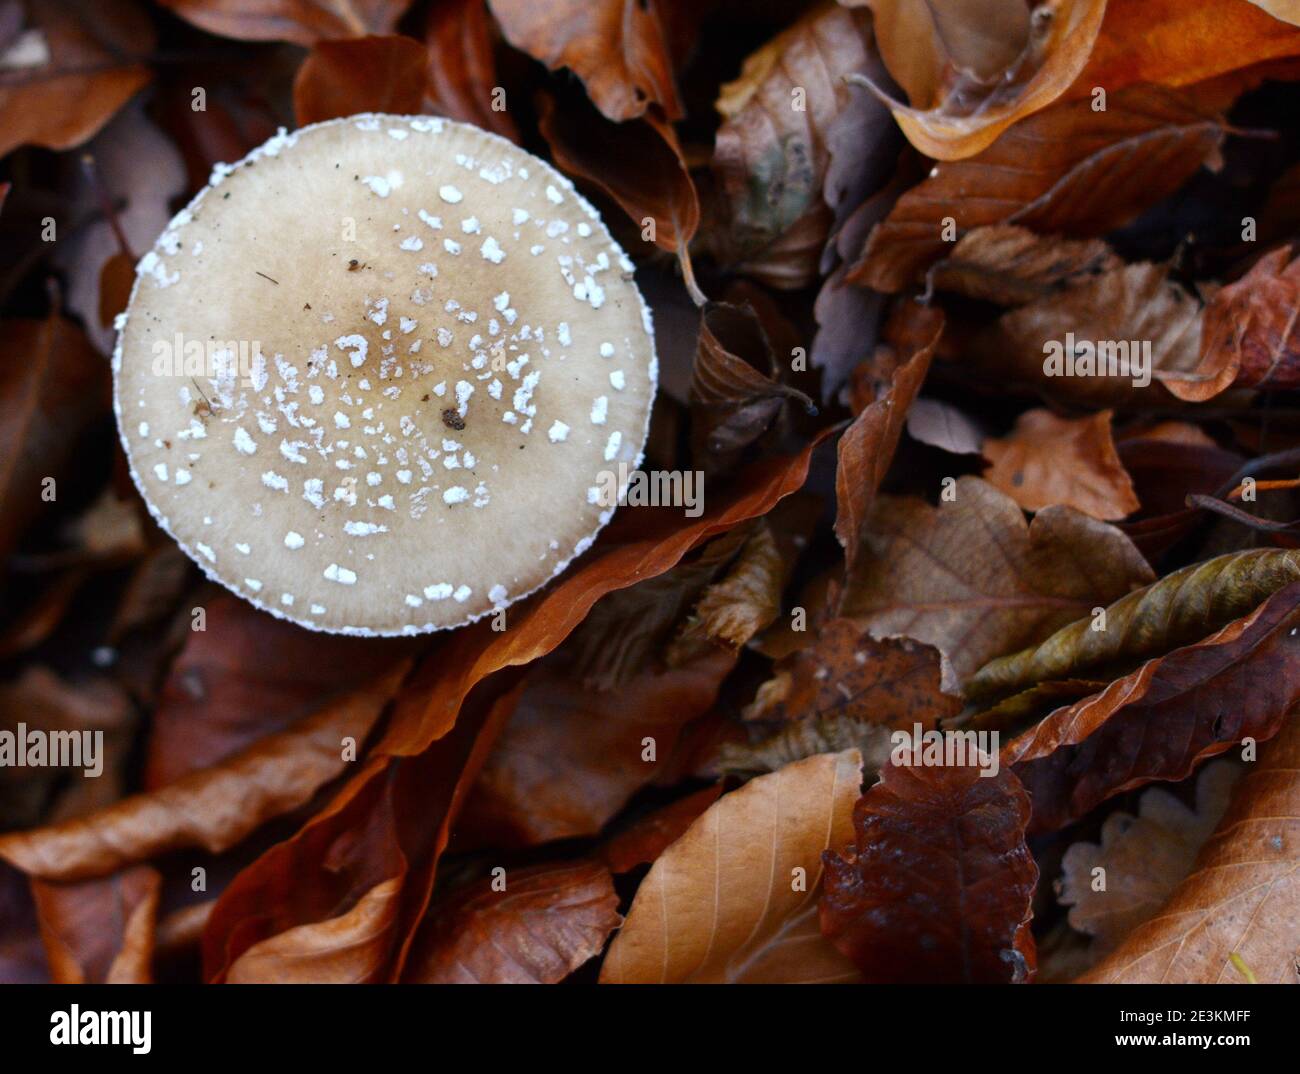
[(452, 419)]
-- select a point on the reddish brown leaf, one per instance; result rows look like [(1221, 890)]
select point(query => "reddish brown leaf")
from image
[(1162, 720), (1072, 461), (547, 922), (304, 22), (100, 931), (645, 839), (366, 74), (462, 70), (937, 886), (619, 48)]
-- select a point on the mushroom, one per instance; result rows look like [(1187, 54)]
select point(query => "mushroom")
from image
[(381, 376)]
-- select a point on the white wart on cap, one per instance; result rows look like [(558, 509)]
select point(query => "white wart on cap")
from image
[(377, 376)]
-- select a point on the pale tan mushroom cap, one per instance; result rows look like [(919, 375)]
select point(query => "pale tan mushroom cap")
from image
[(399, 276)]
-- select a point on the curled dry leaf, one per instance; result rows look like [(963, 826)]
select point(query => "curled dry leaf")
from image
[(1008, 63), (1249, 338), (974, 580), (366, 74), (78, 946), (1243, 896), (1068, 170), (771, 156), (735, 898), (866, 449), (1142, 859), (1071, 461), (1162, 720), (1012, 266), (64, 80), (460, 36), (645, 839), (213, 808), (937, 883), (547, 922), (304, 22), (619, 48), (1180, 608)]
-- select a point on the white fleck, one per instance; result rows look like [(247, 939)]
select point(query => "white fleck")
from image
[(455, 494), (599, 410), (450, 194), (342, 575), (243, 442), (293, 540)]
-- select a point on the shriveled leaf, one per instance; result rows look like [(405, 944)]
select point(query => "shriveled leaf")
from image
[(866, 449), (78, 946), (796, 741), (548, 921), (619, 48), (1165, 718), (972, 68), (1179, 609), (1142, 858), (1011, 265), (735, 898), (365, 74), (1133, 329), (304, 22), (937, 883), (974, 580), (1242, 898), (462, 70), (1068, 170), (771, 156), (571, 757), (52, 385), (65, 78), (1071, 461), (213, 808), (645, 839)]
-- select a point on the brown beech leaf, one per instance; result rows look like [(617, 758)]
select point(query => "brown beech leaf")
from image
[(1243, 896), (304, 22), (1178, 42), (213, 808), (1071, 461), (436, 743), (735, 898), (79, 947), (645, 839), (1136, 307), (1178, 609), (77, 73), (548, 921), (1068, 170), (1007, 63), (1250, 337), (974, 580), (460, 36), (1143, 858), (771, 158), (52, 385), (846, 673), (246, 675), (1162, 720), (638, 163), (866, 449), (571, 757), (937, 883), (1012, 266), (364, 74), (944, 426), (619, 48)]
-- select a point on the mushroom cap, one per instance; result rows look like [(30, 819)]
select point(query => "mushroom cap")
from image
[(379, 376)]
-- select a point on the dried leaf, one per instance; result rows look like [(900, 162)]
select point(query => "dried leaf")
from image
[(462, 69), (547, 922), (647, 838), (735, 898), (78, 946), (1071, 461), (365, 74), (304, 22), (619, 48), (973, 68), (937, 884), (1068, 170), (1180, 608), (972, 579), (1142, 859), (1286, 10), (1162, 720), (1241, 899)]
